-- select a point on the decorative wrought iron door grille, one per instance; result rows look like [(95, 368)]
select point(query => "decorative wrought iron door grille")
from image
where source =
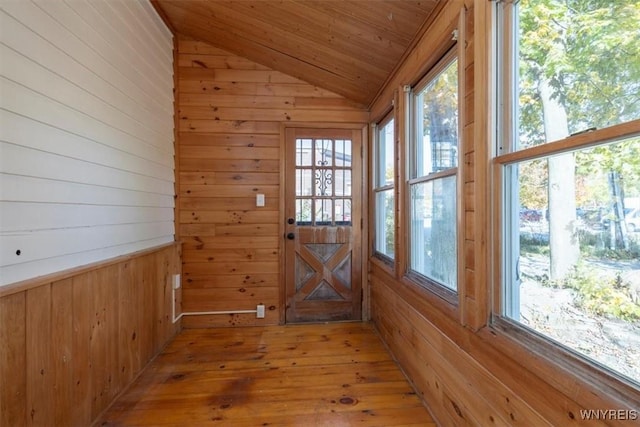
[(323, 181)]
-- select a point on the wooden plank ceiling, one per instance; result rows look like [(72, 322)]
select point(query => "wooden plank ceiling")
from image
[(349, 47)]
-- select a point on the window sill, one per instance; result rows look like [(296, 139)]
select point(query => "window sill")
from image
[(544, 356), (383, 262), (440, 291)]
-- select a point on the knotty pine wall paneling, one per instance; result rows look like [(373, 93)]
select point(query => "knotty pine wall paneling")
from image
[(467, 373), (72, 341), (232, 112)]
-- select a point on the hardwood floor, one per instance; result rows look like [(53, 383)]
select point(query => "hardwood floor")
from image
[(336, 374)]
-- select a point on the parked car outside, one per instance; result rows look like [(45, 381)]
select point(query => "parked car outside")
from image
[(608, 216), (530, 215), (633, 220)]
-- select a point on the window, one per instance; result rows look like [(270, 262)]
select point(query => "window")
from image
[(383, 189), (433, 177), (323, 181), (569, 156)]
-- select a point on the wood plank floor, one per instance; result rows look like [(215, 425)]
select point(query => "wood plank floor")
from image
[(336, 374)]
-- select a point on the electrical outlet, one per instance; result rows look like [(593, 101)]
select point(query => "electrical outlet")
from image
[(176, 281), (260, 311), (260, 200)]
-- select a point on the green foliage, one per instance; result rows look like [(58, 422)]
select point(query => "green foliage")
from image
[(602, 52), (440, 106), (619, 254), (534, 181), (601, 295), (597, 245), (622, 157), (589, 53), (531, 245), (592, 189)]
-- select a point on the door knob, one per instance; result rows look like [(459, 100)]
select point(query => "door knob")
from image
[(291, 236)]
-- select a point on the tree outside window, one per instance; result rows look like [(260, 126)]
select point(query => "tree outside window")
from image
[(433, 180), (572, 253)]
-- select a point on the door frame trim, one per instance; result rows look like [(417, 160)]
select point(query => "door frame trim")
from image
[(364, 196)]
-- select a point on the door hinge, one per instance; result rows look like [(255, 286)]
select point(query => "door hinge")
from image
[(362, 151), (361, 223)]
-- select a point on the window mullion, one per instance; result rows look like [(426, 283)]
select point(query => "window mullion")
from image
[(433, 176), (574, 142)]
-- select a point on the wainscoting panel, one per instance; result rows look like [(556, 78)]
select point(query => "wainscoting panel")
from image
[(73, 341)]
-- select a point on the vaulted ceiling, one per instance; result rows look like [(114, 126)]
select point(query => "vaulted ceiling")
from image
[(349, 47)]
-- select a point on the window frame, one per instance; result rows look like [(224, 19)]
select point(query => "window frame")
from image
[(504, 270), (376, 188), (450, 296), (331, 170)]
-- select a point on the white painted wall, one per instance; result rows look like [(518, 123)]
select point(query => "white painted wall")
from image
[(86, 133)]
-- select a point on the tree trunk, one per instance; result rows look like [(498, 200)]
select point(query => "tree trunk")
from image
[(617, 225), (563, 239)]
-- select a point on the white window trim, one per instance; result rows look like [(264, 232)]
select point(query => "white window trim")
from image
[(444, 292), (377, 128)]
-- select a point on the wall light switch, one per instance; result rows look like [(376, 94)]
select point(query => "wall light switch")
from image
[(259, 200)]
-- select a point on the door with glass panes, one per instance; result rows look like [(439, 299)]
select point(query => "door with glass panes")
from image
[(323, 227)]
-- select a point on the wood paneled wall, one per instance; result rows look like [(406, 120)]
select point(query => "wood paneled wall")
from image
[(467, 372), (86, 134), (482, 378), (343, 47), (232, 113), (69, 346), (474, 299)]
